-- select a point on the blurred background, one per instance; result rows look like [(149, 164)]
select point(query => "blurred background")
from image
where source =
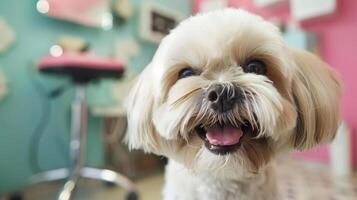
[(51, 49)]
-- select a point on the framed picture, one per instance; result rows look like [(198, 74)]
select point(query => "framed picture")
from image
[(156, 21)]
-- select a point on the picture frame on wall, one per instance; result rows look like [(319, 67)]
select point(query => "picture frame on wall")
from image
[(156, 21)]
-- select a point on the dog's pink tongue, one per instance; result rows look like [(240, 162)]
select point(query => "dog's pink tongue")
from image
[(224, 136)]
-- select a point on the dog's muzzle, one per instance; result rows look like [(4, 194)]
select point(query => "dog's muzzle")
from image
[(224, 136)]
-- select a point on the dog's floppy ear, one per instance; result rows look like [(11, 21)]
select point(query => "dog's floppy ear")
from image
[(139, 104), (316, 92)]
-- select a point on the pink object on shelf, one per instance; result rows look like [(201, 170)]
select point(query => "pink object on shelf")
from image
[(86, 12)]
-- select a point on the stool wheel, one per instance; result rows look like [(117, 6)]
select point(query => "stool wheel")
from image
[(132, 196)]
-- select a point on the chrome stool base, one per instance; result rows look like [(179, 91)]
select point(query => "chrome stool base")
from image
[(77, 153)]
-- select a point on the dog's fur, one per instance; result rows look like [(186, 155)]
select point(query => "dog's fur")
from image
[(295, 106)]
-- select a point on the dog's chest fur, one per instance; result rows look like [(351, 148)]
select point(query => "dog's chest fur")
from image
[(183, 185)]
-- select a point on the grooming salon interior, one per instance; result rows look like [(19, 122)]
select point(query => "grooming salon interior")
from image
[(68, 66)]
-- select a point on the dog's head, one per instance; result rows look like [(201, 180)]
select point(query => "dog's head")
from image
[(223, 91)]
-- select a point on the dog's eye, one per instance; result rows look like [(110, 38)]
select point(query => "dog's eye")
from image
[(255, 66), (186, 72)]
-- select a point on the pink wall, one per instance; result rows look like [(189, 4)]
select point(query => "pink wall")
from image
[(338, 46)]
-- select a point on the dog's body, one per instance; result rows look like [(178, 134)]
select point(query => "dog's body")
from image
[(222, 98), (182, 184)]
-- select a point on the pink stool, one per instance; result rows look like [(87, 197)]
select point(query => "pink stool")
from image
[(82, 68)]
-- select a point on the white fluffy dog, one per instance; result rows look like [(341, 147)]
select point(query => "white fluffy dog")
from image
[(224, 96)]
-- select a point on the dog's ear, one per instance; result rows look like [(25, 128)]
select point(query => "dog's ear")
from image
[(139, 104), (316, 90)]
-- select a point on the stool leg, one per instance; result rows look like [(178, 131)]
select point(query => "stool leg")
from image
[(108, 176), (77, 155), (78, 142), (52, 175)]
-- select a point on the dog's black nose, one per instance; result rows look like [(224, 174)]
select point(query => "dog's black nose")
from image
[(222, 98)]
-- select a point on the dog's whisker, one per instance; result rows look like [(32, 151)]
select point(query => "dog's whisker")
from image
[(184, 97)]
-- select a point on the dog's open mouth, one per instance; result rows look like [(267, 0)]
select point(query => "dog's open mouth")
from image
[(223, 139)]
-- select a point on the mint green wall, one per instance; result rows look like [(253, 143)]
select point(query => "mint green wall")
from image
[(20, 111)]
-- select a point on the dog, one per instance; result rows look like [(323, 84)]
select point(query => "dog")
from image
[(222, 98)]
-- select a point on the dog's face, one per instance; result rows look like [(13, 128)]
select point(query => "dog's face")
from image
[(225, 94)]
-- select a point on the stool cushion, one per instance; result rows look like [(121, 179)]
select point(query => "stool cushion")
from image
[(82, 67)]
